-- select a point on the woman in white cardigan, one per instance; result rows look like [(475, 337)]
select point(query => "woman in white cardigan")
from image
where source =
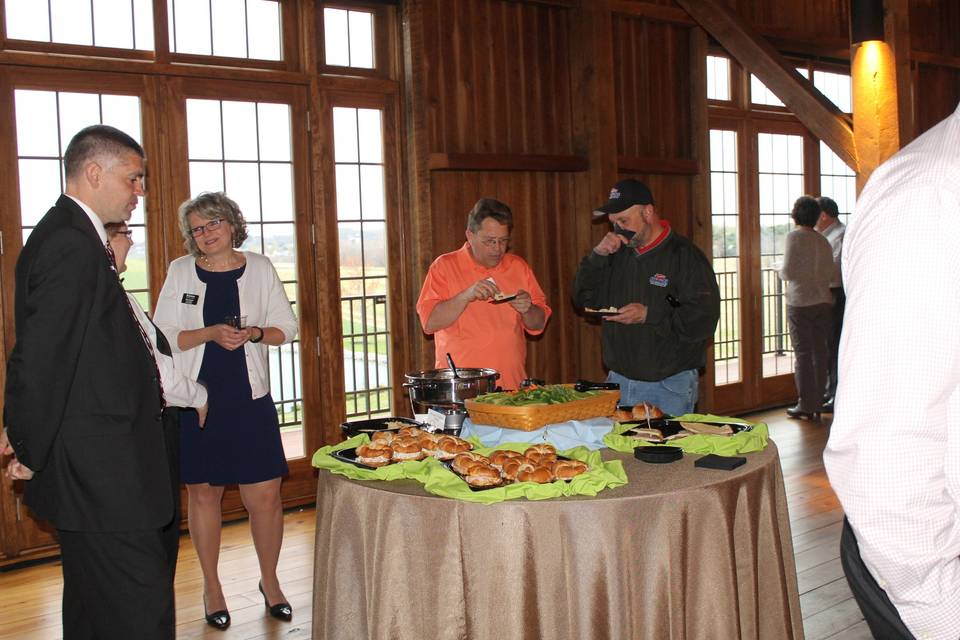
[(204, 294)]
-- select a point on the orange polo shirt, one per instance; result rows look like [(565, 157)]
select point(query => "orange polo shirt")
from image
[(485, 334)]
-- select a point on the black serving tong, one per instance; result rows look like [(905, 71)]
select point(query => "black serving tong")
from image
[(587, 385)]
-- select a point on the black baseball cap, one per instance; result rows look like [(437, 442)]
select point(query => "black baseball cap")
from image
[(624, 195)]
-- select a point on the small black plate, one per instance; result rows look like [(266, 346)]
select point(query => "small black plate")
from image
[(658, 455), (373, 425), (503, 299)]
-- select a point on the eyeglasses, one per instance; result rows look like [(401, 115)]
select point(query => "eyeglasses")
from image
[(127, 232), (196, 232), (490, 243)]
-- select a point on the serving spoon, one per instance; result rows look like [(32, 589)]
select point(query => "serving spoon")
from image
[(453, 367)]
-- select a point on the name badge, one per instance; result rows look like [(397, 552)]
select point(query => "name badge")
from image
[(190, 298), (659, 280)]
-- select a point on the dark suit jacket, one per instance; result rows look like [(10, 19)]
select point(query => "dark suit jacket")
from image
[(82, 404)]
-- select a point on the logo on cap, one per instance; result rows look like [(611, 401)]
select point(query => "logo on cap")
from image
[(614, 194)]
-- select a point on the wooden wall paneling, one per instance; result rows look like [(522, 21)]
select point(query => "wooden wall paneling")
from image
[(594, 134), (897, 32), (420, 124), (701, 214), (934, 26), (939, 88)]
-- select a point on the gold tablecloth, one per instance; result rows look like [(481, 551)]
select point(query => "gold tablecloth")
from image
[(678, 553)]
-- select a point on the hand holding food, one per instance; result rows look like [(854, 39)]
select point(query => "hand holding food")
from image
[(633, 313), (522, 302)]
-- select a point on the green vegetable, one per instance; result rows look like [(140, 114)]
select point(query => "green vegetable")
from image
[(549, 394)]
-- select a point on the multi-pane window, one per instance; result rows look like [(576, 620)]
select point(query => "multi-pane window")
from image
[(46, 121), (837, 181), (725, 212), (122, 24), (760, 94), (348, 38), (228, 28), (245, 150), (718, 78), (780, 173), (362, 226), (836, 87)]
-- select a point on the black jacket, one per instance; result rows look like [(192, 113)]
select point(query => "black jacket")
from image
[(81, 403), (676, 283)]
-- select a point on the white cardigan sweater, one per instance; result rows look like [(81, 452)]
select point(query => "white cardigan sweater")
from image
[(262, 300)]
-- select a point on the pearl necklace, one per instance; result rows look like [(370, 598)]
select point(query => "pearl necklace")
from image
[(226, 266)]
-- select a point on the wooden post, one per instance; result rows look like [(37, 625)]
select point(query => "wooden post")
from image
[(875, 122)]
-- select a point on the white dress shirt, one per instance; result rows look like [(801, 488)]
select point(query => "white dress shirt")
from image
[(893, 456), (834, 235)]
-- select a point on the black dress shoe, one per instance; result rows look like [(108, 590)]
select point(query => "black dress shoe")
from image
[(280, 611), (827, 406), (796, 414), (218, 619)]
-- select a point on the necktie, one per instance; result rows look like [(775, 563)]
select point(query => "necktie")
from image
[(133, 316)]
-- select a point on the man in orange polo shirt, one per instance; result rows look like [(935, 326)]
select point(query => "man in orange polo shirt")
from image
[(459, 303)]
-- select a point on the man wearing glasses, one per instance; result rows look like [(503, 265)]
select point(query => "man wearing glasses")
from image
[(479, 301)]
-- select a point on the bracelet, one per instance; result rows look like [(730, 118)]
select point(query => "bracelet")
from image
[(258, 338)]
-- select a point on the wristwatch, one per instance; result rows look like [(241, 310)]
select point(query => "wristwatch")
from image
[(258, 338)]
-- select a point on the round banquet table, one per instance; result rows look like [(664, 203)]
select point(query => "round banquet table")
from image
[(679, 552)]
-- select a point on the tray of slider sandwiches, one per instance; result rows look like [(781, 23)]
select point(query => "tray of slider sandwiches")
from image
[(535, 406), (645, 424), (449, 466)]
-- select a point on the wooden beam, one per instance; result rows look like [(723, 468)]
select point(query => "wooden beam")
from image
[(817, 113), (505, 162), (658, 166), (658, 12)]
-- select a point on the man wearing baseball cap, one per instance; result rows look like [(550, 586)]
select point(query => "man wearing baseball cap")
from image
[(663, 298)]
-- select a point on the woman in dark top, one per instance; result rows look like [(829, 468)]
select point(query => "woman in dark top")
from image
[(220, 309)]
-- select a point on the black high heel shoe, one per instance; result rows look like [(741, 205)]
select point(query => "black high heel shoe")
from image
[(218, 619), (796, 414), (280, 611)]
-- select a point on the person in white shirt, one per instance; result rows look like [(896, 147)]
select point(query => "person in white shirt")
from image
[(829, 225), (893, 456)]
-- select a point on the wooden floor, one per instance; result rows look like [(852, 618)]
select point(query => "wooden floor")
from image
[(30, 601)]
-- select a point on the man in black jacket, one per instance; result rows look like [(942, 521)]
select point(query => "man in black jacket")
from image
[(83, 403), (666, 299)]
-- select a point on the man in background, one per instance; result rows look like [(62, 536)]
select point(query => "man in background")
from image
[(83, 403), (893, 456), (666, 298), (479, 301), (829, 225)]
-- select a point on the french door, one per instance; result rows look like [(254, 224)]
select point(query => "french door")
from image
[(758, 168)]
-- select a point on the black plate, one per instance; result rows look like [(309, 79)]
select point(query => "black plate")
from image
[(503, 299), (350, 456), (373, 425), (671, 427)]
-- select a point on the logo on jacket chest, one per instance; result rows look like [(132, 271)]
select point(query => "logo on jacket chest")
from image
[(659, 280), (189, 298)]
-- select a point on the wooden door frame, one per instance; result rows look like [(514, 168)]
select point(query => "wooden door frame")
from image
[(300, 486)]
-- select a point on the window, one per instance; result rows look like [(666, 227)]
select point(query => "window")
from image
[(361, 220), (348, 38), (122, 24), (836, 87), (725, 211), (245, 150), (46, 121), (780, 172), (718, 78), (228, 28), (837, 181)]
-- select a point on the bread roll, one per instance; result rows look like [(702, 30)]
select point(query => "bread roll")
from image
[(406, 448), (411, 431), (383, 436), (500, 456), (513, 466), (482, 475), (540, 454), (449, 446), (375, 454), (646, 411), (462, 460), (622, 415), (538, 474), (566, 469)]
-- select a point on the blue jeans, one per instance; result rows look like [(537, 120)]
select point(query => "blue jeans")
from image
[(675, 395)]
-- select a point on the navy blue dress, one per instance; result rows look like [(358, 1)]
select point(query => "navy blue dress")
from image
[(240, 442)]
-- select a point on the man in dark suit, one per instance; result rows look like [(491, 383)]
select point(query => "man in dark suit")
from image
[(83, 403)]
